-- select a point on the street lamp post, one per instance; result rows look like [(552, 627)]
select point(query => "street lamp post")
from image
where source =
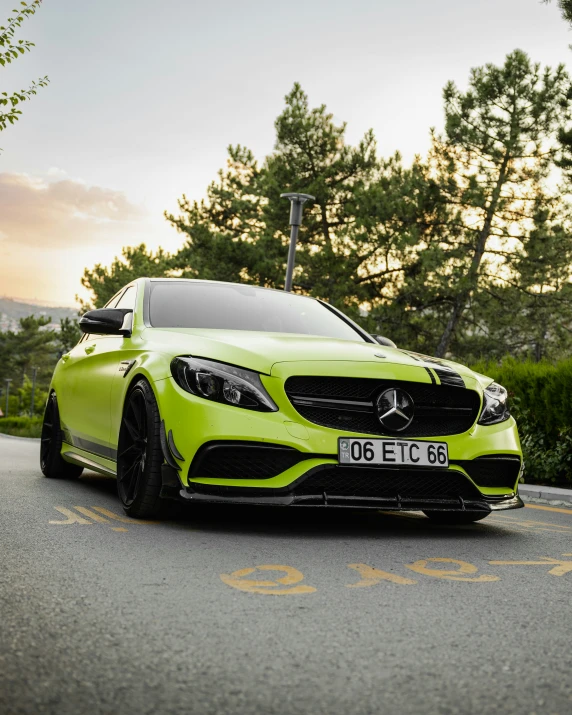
[(34, 373), (297, 202), (7, 381)]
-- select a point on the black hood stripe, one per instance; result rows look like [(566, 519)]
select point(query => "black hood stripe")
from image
[(431, 375), (445, 373)]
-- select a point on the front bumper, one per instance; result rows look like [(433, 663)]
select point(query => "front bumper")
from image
[(196, 424), (357, 487)]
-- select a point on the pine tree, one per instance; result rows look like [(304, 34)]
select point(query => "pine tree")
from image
[(566, 9), (241, 231), (467, 253), (494, 162), (135, 262), (68, 335)]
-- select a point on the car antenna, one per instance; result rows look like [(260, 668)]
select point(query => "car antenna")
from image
[(297, 202)]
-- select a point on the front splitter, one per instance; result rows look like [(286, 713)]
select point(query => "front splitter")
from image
[(354, 501)]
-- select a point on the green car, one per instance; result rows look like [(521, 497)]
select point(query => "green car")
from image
[(203, 391)]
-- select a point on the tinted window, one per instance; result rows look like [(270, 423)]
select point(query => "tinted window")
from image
[(237, 307), (113, 302)]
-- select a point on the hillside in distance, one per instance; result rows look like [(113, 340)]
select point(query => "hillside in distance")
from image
[(12, 310)]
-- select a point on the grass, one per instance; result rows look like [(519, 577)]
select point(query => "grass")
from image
[(21, 426)]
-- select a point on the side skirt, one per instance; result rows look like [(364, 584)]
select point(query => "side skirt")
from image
[(88, 460)]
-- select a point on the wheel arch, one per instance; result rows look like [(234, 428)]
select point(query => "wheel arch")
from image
[(145, 445), (138, 375)]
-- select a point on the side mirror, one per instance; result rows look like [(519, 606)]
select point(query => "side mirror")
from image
[(384, 341), (107, 321)]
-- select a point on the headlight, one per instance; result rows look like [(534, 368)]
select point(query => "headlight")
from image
[(495, 407), (220, 382)]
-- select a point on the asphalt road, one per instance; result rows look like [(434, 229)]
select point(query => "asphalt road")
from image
[(234, 610)]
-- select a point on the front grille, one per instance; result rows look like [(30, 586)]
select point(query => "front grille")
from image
[(408, 484), (439, 409), (500, 470), (232, 460)]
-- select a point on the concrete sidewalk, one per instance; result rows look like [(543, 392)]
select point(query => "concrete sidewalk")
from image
[(545, 495)]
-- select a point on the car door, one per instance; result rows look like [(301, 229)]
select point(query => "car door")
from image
[(88, 374)]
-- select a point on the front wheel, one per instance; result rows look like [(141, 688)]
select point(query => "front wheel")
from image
[(454, 518), (52, 463), (139, 454)]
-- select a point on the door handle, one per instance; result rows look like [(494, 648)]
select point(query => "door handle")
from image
[(89, 349)]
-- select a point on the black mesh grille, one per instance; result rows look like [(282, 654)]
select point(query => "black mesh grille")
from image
[(240, 461), (497, 471), (435, 405), (334, 387), (408, 484)]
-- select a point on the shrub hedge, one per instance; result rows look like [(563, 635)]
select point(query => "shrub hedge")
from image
[(540, 398), (21, 426)]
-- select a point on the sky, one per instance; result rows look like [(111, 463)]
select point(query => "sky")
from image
[(144, 97)]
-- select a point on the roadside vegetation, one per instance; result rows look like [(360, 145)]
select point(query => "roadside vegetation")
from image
[(541, 401), (21, 426), (33, 349)]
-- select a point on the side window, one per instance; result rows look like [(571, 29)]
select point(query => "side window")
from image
[(127, 300), (113, 302)]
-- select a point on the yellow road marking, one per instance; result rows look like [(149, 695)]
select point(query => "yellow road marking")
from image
[(89, 517), (560, 569), (371, 576), (452, 575), (529, 528), (292, 576), (72, 518), (124, 519), (545, 523), (118, 528), (529, 524), (549, 508), (91, 514)]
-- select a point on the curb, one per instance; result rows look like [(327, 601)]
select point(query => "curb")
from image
[(25, 439), (553, 496)]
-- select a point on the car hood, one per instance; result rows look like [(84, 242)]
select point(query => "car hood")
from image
[(267, 352)]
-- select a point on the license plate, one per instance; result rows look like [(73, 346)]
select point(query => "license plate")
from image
[(394, 452)]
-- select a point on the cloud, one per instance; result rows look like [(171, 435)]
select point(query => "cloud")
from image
[(62, 212)]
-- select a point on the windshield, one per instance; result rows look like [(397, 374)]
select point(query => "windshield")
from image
[(227, 306)]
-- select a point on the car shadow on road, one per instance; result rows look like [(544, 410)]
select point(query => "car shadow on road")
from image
[(306, 522)]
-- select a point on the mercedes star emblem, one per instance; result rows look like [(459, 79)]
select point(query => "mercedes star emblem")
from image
[(395, 409)]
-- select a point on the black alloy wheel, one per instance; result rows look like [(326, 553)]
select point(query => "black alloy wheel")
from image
[(455, 518), (139, 454), (52, 463)]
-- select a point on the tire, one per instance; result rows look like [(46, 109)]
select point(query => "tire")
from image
[(52, 463), (139, 453), (454, 518)]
